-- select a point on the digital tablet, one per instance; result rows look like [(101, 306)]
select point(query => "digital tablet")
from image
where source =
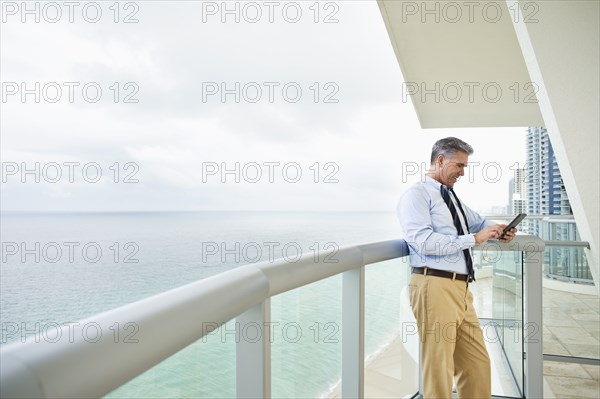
[(514, 223)]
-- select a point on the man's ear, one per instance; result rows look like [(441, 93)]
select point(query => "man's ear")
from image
[(439, 161)]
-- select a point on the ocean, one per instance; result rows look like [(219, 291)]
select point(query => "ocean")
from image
[(62, 267)]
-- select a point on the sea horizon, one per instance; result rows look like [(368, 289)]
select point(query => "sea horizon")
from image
[(146, 253)]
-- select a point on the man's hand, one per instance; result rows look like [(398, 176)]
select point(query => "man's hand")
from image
[(509, 235), (490, 233)]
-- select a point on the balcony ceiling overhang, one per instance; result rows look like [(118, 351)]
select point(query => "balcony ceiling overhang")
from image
[(468, 73)]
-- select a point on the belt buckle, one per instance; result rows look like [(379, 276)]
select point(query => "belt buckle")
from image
[(454, 276), (425, 271)]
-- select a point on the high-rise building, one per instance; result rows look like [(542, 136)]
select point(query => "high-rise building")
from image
[(517, 196), (546, 192), (517, 192), (546, 195)]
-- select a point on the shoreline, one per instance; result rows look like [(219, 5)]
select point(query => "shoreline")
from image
[(372, 361)]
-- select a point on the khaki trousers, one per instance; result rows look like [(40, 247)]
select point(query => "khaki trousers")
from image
[(451, 338)]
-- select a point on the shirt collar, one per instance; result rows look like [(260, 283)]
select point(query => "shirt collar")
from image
[(432, 182)]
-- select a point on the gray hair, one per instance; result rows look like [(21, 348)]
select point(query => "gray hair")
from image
[(449, 146)]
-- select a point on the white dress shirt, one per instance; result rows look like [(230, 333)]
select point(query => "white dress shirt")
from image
[(429, 230)]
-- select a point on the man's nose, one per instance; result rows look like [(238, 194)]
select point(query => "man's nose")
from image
[(462, 171)]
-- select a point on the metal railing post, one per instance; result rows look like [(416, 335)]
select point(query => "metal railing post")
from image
[(353, 333), (253, 352), (532, 331)]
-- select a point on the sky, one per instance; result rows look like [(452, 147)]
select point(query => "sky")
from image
[(184, 105)]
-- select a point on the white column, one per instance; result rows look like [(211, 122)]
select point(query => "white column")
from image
[(560, 43), (533, 327), (353, 333), (253, 352)]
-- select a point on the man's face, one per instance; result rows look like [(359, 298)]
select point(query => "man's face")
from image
[(452, 167)]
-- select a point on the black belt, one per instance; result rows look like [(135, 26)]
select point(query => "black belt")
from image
[(440, 273)]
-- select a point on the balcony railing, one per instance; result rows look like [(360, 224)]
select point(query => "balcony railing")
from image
[(565, 261), (564, 258), (168, 322)]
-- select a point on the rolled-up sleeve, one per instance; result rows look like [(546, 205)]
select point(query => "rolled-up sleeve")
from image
[(476, 221)]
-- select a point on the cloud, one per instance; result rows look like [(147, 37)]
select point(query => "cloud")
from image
[(347, 121)]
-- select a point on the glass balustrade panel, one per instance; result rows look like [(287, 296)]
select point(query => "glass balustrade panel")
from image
[(391, 338), (571, 311), (306, 348), (498, 300)]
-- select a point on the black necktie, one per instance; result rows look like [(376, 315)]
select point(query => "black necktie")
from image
[(456, 219)]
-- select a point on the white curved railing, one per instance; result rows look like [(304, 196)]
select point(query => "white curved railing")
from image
[(72, 367)]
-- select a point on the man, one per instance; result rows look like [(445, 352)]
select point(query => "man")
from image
[(440, 230)]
